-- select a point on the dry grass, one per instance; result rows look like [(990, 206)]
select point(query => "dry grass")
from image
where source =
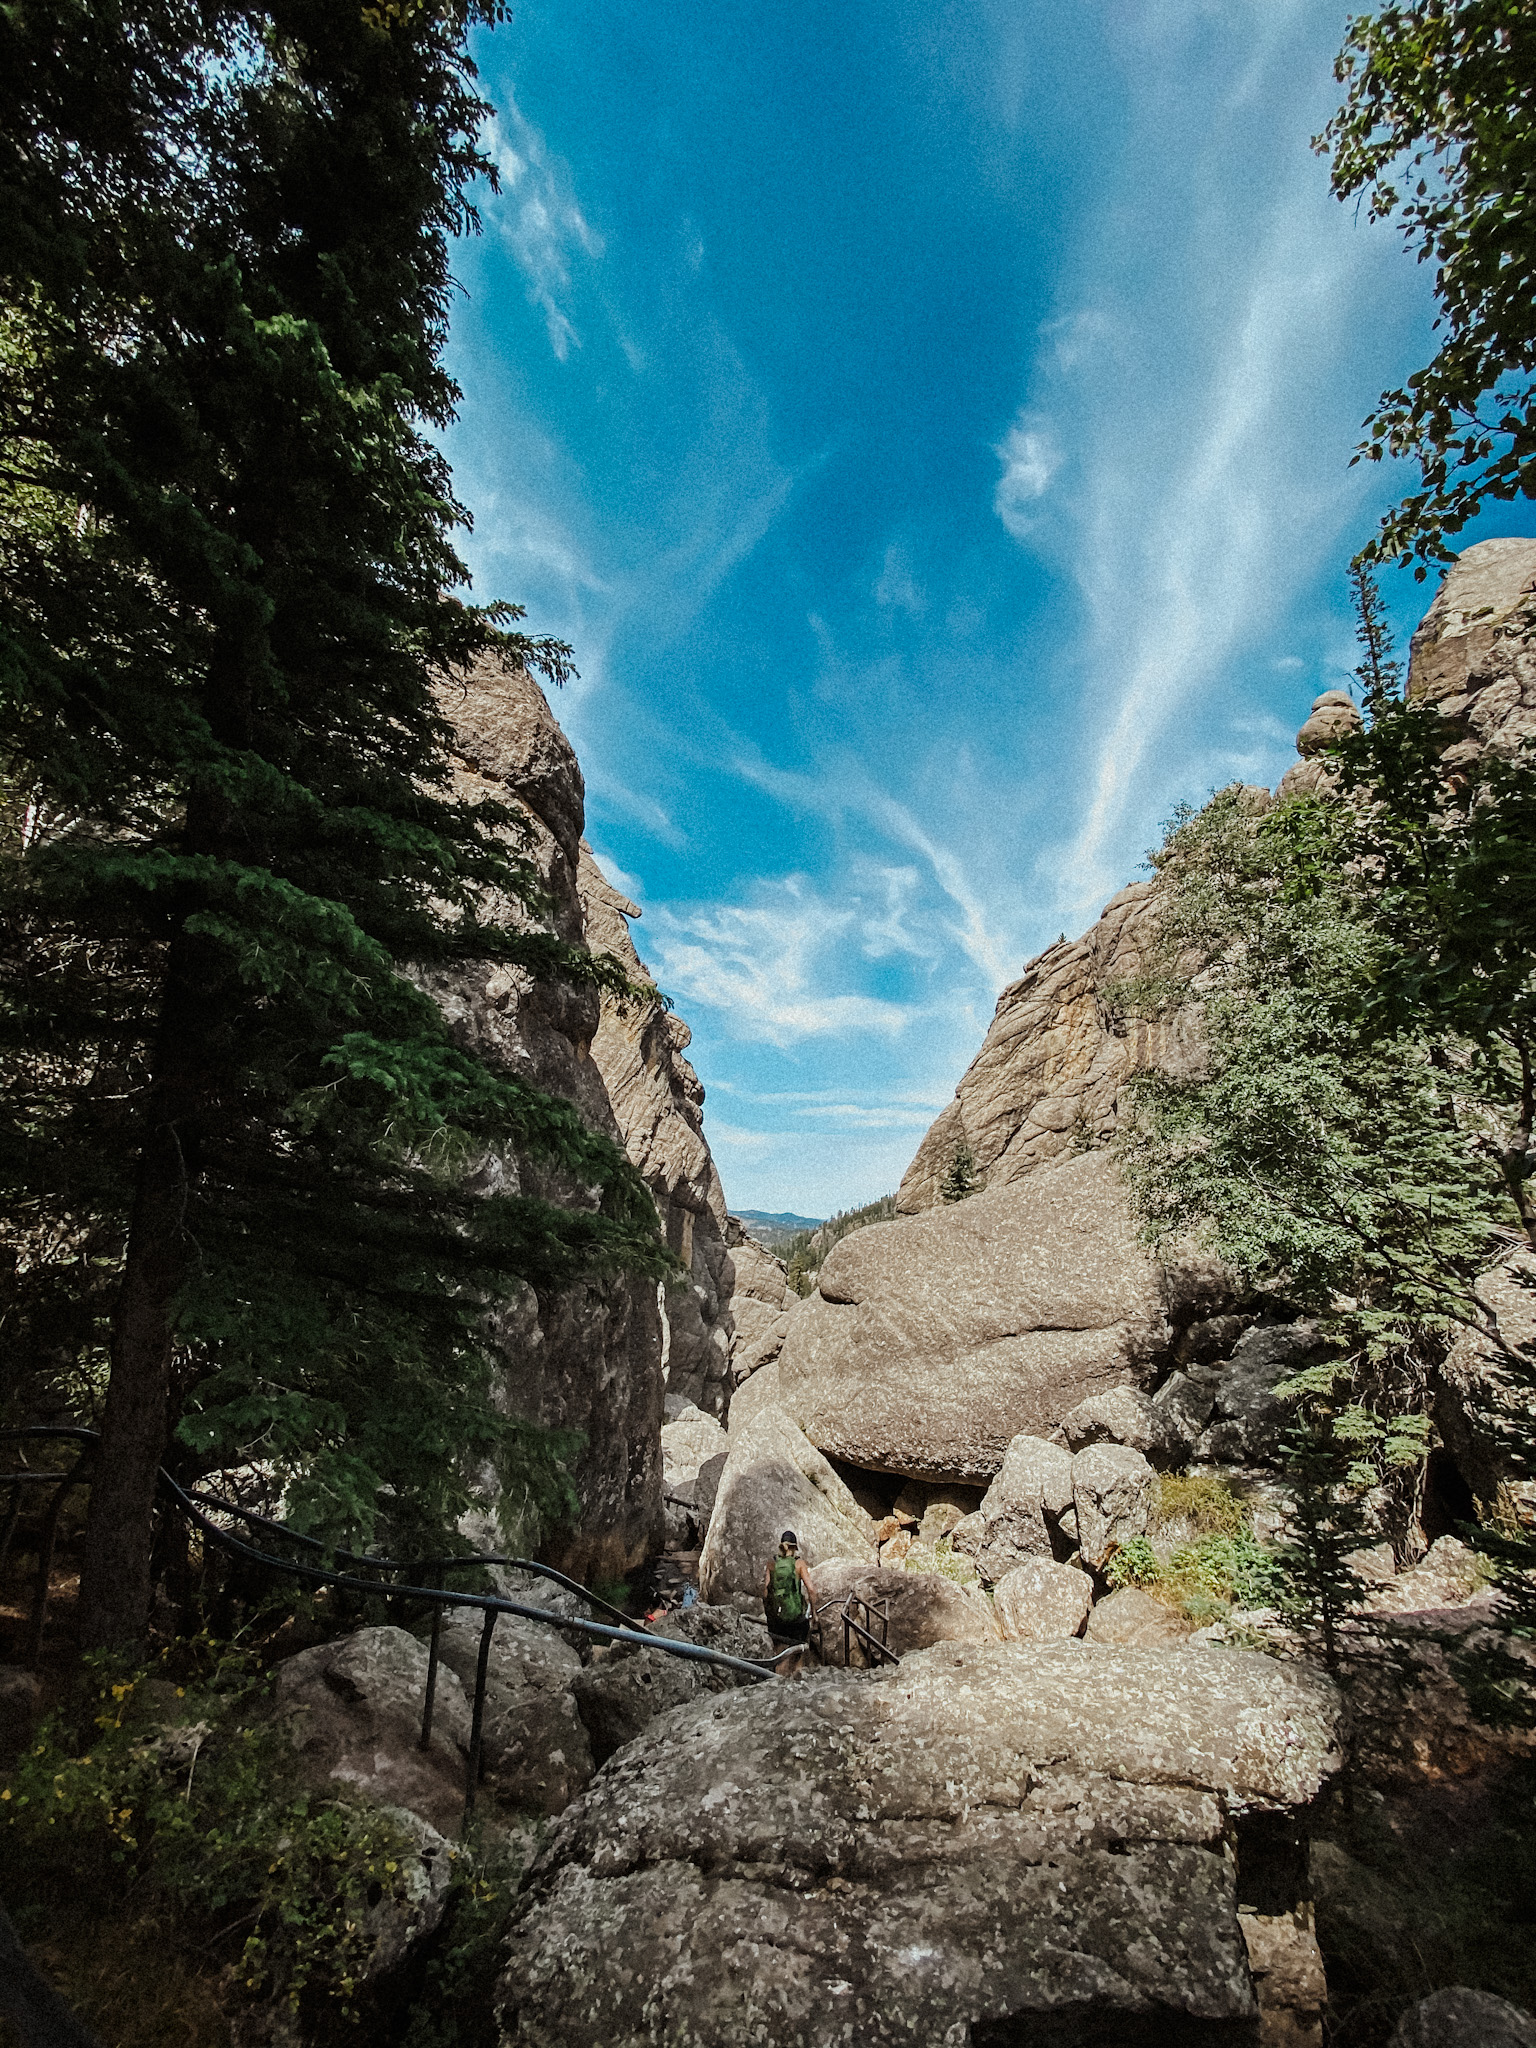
[(1188, 1508)]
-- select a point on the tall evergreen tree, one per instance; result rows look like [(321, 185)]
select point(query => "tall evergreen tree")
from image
[(225, 592)]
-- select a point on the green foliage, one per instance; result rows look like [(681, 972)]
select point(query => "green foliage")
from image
[(960, 1178), (456, 2007), (1205, 1577), (1342, 1168), (1438, 131), (1135, 1563), (177, 1803)]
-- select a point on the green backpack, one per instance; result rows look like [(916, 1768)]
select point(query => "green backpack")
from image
[(786, 1596)]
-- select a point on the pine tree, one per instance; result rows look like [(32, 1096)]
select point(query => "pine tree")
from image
[(960, 1178), (227, 587)]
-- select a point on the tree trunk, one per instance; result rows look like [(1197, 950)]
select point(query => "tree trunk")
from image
[(115, 1578), (114, 1583)]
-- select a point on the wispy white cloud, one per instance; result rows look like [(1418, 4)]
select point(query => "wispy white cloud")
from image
[(538, 217), (1030, 460), (773, 970), (858, 1116), (1200, 403), (843, 789), (896, 588)]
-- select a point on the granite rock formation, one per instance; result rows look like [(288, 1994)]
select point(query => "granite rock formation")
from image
[(775, 1479), (968, 1849), (931, 1342), (603, 1358), (1060, 1046), (1047, 1079), (1474, 654), (736, 1292)]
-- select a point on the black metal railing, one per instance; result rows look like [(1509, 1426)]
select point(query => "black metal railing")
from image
[(872, 1631), (200, 1509)]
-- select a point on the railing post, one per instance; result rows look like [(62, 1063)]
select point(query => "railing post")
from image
[(45, 1549), (12, 1521), (426, 1715), (477, 1723)]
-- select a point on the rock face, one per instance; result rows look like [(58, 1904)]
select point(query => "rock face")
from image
[(1048, 1075), (589, 1360), (932, 1341), (965, 1851), (736, 1293), (600, 1358), (693, 1454), (1475, 652), (534, 1753), (353, 1709), (1478, 1393), (774, 1480)]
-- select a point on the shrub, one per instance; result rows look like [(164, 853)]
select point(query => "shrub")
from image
[(157, 1806)]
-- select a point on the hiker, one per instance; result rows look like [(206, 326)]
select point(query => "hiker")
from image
[(788, 1598)]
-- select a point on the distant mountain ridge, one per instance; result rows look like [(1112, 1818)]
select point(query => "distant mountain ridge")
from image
[(775, 1229)]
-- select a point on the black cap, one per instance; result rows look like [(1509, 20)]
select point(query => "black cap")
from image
[(791, 1539)]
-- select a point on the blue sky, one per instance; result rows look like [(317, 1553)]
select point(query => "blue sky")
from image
[(930, 422)]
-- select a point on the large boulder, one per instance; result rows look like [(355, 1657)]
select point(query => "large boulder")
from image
[(353, 1709), (1125, 1415), (1040, 1602), (931, 1342), (774, 1479), (1031, 1842), (621, 1693), (1112, 1490), (920, 1609), (1021, 1511), (1461, 2018), (1134, 1620), (534, 1754)]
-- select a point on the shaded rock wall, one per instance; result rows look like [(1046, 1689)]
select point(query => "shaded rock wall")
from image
[(588, 1359), (735, 1291), (602, 1358)]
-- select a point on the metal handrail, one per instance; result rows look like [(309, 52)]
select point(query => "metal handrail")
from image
[(491, 1605), (853, 1627)]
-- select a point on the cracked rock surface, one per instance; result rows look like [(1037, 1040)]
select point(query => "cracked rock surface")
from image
[(997, 1842)]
